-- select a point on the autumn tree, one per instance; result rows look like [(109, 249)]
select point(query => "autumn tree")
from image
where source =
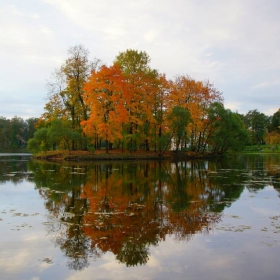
[(54, 108), (142, 85), (196, 97), (106, 96), (66, 89), (76, 70), (272, 138)]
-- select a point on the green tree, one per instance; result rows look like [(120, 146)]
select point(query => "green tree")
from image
[(4, 133), (179, 119), (257, 124), (61, 133), (16, 133), (133, 62), (30, 128), (40, 141), (229, 132), (160, 104), (275, 122)]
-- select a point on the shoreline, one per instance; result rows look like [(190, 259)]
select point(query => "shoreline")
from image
[(114, 155)]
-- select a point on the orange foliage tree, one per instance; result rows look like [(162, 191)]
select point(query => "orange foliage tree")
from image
[(106, 96), (196, 97), (142, 85)]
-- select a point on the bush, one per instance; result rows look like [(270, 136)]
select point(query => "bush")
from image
[(91, 149)]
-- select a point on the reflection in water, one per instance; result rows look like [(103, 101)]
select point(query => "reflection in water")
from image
[(126, 208), (13, 168)]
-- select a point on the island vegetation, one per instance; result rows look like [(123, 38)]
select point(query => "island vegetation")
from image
[(129, 110)]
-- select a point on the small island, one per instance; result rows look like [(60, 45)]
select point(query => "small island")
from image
[(131, 111)]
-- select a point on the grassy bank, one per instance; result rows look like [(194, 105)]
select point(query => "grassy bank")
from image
[(63, 155), (262, 149)]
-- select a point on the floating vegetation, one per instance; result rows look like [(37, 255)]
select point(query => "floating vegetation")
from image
[(275, 223), (48, 260), (268, 244), (19, 227), (23, 214), (16, 214), (229, 227), (275, 218), (234, 217)]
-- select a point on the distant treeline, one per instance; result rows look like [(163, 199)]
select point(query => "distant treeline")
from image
[(15, 132)]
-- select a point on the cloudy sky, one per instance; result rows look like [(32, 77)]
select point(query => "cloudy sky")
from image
[(235, 44)]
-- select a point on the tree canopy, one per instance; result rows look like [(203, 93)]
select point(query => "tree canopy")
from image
[(129, 105)]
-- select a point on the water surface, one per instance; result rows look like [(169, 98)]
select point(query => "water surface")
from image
[(140, 220)]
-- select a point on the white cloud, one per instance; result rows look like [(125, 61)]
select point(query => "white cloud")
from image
[(266, 84), (151, 35), (233, 106), (235, 44), (154, 262), (18, 260)]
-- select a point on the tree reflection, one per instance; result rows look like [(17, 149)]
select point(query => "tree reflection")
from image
[(125, 208), (133, 253), (264, 170), (14, 169)]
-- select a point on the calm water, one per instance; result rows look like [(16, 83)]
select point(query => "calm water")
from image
[(140, 220)]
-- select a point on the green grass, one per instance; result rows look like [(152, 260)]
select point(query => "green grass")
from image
[(262, 149)]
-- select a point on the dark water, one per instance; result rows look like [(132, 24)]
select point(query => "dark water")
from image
[(140, 220)]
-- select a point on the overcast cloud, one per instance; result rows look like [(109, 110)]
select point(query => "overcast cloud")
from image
[(235, 44)]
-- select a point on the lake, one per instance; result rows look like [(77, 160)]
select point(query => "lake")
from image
[(140, 219)]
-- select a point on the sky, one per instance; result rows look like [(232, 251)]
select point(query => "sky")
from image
[(234, 44)]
